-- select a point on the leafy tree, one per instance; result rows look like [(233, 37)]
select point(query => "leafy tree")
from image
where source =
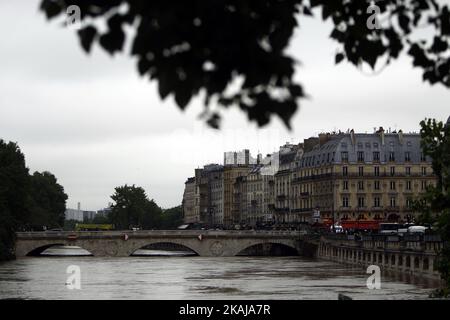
[(133, 208), (100, 219), (69, 225), (172, 218), (435, 204), (48, 201), (197, 46), (25, 200), (14, 184)]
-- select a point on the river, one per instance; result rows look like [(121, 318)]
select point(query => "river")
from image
[(192, 277)]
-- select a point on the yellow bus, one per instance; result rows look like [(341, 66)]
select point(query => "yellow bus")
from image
[(93, 227)]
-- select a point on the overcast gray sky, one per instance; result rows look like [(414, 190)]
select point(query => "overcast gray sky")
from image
[(95, 124)]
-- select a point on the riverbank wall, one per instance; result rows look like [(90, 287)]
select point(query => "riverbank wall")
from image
[(410, 254)]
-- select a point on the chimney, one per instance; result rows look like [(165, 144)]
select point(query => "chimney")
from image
[(259, 158), (352, 137), (400, 136), (309, 143), (381, 132), (79, 206), (323, 138)]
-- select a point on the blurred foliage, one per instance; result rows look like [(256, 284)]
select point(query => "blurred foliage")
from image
[(196, 46)]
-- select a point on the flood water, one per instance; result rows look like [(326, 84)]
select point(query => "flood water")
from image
[(193, 277)]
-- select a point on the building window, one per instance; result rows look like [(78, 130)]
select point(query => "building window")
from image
[(345, 185), (360, 185), (407, 156), (409, 202), (422, 157), (408, 185), (344, 171), (344, 155), (392, 171), (424, 185), (424, 171), (360, 155), (376, 156), (392, 185), (391, 156), (376, 171), (376, 202), (408, 171), (361, 202), (377, 185), (345, 202), (393, 201), (361, 171)]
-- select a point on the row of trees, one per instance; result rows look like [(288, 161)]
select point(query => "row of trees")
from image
[(25, 200)]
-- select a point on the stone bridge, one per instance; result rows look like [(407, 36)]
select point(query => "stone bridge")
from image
[(125, 243)]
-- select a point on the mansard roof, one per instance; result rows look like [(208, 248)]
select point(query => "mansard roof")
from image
[(350, 144)]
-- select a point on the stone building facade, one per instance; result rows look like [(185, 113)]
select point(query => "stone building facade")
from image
[(359, 180)]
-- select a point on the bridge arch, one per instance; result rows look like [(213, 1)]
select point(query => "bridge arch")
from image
[(134, 246), (269, 249), (164, 246), (40, 249)]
